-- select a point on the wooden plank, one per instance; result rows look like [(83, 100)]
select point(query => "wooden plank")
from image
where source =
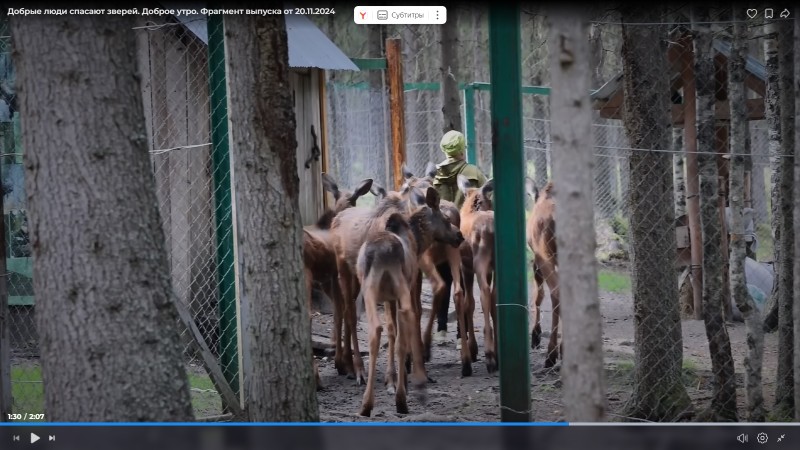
[(209, 361), (145, 78), (323, 130), (299, 82), (177, 135), (394, 58), (160, 119), (316, 116), (692, 177), (202, 255), (755, 110)]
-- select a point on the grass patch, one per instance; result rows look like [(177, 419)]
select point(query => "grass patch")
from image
[(27, 391), (611, 281)]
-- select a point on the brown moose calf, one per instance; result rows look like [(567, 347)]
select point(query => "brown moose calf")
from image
[(387, 268)]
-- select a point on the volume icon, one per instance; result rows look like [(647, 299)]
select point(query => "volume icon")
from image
[(742, 438)]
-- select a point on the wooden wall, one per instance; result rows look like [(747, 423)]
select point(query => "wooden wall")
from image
[(305, 84), (174, 71), (174, 68)]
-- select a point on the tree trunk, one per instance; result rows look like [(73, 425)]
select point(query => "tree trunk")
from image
[(110, 345), (740, 146), (605, 200), (678, 174), (772, 107), (451, 96), (784, 386), (281, 384), (796, 297), (658, 392), (723, 402), (571, 125)]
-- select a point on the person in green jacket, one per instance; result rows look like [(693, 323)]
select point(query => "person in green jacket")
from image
[(453, 144)]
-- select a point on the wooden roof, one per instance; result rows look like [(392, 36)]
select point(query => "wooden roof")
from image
[(609, 98)]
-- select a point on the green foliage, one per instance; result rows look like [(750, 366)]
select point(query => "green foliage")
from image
[(620, 226)]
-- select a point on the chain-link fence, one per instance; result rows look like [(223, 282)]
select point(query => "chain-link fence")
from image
[(178, 112), (174, 63), (655, 199), (27, 390), (657, 194)]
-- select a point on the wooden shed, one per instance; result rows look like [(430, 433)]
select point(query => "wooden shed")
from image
[(310, 54), (609, 100), (173, 59)]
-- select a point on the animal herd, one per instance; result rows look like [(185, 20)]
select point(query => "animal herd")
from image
[(378, 255)]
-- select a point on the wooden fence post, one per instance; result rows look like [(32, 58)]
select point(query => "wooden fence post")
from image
[(394, 63)]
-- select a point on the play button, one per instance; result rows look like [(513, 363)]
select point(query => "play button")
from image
[(34, 438)]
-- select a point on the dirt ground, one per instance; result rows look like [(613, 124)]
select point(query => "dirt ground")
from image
[(476, 398)]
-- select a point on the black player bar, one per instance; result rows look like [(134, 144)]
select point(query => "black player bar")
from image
[(391, 437)]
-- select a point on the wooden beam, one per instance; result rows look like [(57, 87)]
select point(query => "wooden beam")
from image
[(755, 84), (755, 111), (689, 108), (394, 58), (209, 361)]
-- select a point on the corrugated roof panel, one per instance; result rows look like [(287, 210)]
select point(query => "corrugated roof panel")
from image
[(752, 64), (308, 45)]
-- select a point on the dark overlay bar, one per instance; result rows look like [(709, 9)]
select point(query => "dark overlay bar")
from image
[(371, 436)]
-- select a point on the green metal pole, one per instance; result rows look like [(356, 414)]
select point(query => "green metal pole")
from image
[(469, 118), (221, 166), (509, 165)]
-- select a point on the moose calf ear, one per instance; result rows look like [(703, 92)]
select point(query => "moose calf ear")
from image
[(463, 184), (530, 188), (430, 170), (432, 198), (329, 184), (362, 189), (406, 173), (488, 187), (377, 190)]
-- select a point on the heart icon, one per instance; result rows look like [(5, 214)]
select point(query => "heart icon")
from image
[(752, 13)]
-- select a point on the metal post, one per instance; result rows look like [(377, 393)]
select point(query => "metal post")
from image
[(469, 125), (221, 166), (509, 163)]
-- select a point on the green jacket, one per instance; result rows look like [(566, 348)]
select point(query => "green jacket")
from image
[(446, 177)]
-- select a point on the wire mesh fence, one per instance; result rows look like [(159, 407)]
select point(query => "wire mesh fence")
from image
[(649, 199), (178, 109), (175, 83), (27, 390), (643, 229)]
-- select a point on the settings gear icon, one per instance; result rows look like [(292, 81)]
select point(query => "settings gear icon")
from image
[(762, 438)]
